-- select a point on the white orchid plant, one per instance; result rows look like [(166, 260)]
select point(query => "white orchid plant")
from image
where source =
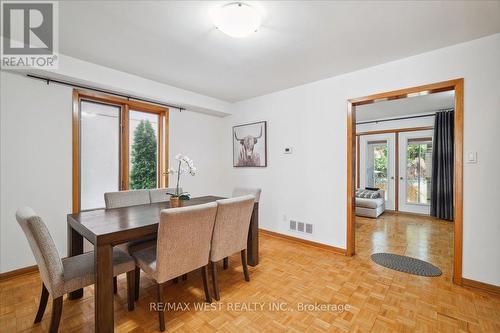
[(185, 166)]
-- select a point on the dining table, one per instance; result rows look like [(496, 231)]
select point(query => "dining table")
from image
[(105, 228)]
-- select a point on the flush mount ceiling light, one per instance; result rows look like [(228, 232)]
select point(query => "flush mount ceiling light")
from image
[(236, 19)]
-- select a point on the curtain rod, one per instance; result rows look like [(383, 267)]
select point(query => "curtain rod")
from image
[(403, 118), (105, 91)]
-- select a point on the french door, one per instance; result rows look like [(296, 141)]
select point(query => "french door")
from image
[(377, 164), (415, 171)]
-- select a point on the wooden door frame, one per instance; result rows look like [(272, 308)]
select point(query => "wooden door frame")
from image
[(126, 105), (456, 85)]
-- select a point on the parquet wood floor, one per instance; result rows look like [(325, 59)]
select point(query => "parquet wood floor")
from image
[(291, 274)]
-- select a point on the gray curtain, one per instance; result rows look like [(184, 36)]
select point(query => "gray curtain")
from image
[(442, 165)]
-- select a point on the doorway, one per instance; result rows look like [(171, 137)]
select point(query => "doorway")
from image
[(412, 180)]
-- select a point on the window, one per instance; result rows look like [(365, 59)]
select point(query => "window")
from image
[(117, 145), (418, 171), (377, 165), (99, 152), (143, 150)]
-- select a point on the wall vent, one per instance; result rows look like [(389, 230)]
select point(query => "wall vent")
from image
[(309, 228), (293, 225), (300, 226)]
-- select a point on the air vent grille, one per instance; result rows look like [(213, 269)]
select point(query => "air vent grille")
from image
[(298, 226)]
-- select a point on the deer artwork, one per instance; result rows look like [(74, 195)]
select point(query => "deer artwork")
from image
[(247, 156)]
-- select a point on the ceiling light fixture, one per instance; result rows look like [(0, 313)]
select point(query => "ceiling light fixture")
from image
[(236, 19)]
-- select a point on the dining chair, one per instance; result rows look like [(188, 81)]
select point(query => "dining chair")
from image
[(122, 199), (183, 245), (238, 192), (61, 276), (161, 194), (231, 233), (126, 198)]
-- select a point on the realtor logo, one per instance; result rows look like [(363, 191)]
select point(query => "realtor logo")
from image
[(29, 34)]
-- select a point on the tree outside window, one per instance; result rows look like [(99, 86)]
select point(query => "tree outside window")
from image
[(143, 174)]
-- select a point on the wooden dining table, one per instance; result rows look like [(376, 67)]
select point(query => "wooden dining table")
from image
[(106, 228)]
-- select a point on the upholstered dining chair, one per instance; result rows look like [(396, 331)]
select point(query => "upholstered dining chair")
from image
[(161, 194), (238, 192), (122, 199), (183, 245), (126, 198), (61, 276), (231, 233)]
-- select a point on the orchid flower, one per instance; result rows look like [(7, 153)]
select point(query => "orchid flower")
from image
[(185, 166)]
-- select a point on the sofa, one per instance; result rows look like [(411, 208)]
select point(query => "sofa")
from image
[(369, 207)]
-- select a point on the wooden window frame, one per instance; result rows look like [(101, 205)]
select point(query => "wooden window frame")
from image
[(456, 85), (125, 105)]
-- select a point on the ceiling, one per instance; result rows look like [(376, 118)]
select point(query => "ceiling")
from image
[(175, 42), (406, 106)]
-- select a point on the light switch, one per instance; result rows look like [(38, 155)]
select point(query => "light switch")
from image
[(472, 157)]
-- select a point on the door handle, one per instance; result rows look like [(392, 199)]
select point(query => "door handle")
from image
[(392, 177), (401, 178)]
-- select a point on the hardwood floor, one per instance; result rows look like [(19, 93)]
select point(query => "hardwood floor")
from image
[(380, 300)]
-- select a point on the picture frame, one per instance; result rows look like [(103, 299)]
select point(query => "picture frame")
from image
[(250, 145)]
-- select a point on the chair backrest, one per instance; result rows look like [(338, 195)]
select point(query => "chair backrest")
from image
[(240, 191), (184, 236), (44, 249), (231, 226), (126, 198), (161, 194)]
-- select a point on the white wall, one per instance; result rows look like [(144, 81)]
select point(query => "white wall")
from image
[(35, 160), (310, 184), (199, 137), (36, 152)]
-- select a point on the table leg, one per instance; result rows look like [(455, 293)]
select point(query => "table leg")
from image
[(253, 238), (75, 247), (103, 289)]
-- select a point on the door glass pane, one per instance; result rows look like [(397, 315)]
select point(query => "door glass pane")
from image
[(376, 166), (143, 149), (418, 171), (100, 152)]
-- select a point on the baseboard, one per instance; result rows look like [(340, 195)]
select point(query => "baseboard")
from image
[(303, 241), (481, 285), (17, 272)]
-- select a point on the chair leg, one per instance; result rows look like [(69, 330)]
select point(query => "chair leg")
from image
[(214, 281), (115, 285), (56, 314), (131, 289), (161, 313), (43, 304), (137, 277), (204, 276), (244, 264), (184, 277), (225, 263)]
